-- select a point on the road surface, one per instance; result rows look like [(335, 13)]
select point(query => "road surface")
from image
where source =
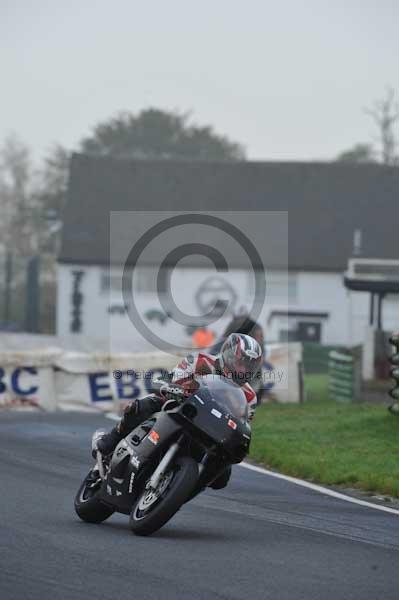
[(259, 538)]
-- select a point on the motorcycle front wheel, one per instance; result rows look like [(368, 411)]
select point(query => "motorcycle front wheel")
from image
[(87, 504), (154, 508)]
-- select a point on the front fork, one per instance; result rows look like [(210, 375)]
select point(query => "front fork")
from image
[(162, 468)]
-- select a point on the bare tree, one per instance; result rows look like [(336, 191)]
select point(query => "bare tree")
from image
[(51, 196), (18, 228), (54, 179), (30, 203), (30, 200), (385, 113)]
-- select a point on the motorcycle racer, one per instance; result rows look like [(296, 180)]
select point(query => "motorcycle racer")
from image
[(239, 359)]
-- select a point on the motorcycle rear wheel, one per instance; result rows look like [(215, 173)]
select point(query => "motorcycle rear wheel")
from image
[(153, 509)]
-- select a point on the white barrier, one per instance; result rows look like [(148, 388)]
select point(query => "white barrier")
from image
[(285, 373), (54, 379)]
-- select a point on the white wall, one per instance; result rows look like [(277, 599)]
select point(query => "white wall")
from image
[(348, 311), (115, 331), (318, 292), (325, 292)]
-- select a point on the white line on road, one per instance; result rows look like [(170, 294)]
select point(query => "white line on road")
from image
[(319, 488)]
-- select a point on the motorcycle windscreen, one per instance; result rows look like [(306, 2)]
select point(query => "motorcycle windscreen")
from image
[(226, 393)]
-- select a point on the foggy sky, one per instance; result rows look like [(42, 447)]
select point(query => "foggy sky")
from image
[(288, 79)]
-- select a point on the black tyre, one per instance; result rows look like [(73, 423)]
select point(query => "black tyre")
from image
[(87, 504), (152, 510)]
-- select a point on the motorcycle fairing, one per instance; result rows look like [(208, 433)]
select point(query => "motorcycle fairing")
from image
[(132, 457)]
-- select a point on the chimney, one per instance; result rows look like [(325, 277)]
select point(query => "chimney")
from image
[(357, 242)]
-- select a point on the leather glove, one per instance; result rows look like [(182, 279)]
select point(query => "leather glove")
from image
[(172, 391)]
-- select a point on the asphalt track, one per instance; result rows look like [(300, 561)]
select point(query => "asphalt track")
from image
[(259, 538)]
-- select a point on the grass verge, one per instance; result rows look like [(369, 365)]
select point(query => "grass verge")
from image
[(355, 445)]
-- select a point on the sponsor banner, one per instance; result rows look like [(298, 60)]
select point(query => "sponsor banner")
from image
[(27, 386), (109, 383), (53, 378), (70, 379)]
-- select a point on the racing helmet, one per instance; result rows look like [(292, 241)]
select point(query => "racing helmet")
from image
[(240, 358)]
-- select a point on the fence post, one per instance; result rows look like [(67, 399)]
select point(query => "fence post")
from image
[(32, 313), (7, 287), (394, 372)]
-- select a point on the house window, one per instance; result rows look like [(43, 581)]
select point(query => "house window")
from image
[(144, 280)]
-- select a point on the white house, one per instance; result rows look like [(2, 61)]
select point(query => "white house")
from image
[(302, 218)]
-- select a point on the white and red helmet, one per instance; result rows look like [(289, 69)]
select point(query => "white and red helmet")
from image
[(240, 357)]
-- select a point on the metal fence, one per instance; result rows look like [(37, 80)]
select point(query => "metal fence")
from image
[(316, 357), (394, 373), (344, 376)]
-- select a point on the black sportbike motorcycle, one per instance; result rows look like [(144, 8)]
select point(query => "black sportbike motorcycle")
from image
[(170, 458)]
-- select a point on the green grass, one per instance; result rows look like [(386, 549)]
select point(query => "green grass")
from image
[(354, 445), (316, 387)]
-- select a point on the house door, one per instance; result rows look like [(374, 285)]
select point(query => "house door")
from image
[(308, 331)]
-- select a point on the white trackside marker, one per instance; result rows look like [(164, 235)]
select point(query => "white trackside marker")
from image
[(319, 488)]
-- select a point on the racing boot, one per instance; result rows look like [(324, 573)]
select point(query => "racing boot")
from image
[(105, 442), (220, 482)]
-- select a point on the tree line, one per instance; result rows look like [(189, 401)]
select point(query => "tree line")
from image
[(31, 200)]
